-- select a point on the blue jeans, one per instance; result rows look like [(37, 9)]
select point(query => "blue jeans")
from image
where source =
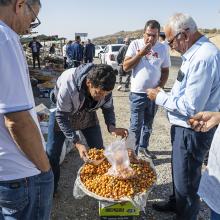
[(214, 215), (143, 111), (27, 198), (56, 140)]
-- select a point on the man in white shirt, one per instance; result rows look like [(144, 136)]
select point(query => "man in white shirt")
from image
[(149, 62), (26, 180)]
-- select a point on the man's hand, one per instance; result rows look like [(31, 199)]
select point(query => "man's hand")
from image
[(82, 151), (152, 93), (118, 131), (145, 50), (204, 121)]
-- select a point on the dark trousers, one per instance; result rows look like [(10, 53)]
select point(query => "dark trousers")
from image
[(76, 63), (88, 60), (189, 150), (36, 56), (55, 143), (65, 64), (122, 74)]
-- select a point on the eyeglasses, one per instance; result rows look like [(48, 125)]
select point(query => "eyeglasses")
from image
[(33, 24), (171, 41)]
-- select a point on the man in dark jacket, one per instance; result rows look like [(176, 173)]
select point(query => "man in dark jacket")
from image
[(79, 92), (89, 52), (75, 52), (35, 48), (120, 60)]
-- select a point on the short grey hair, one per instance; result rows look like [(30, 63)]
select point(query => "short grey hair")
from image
[(30, 2), (180, 22)]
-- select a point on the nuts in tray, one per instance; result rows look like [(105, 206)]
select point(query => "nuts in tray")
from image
[(97, 181)]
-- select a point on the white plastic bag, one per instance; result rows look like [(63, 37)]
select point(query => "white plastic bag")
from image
[(117, 155)]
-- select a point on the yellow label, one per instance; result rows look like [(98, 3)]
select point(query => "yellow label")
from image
[(118, 209)]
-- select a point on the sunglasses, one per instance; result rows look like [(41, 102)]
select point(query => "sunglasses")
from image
[(34, 24)]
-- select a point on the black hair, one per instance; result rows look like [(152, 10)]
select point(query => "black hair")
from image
[(102, 76), (77, 37), (152, 24), (162, 35)]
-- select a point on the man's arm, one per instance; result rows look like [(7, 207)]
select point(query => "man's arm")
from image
[(119, 56), (108, 111), (40, 45), (66, 127), (63, 120), (164, 77), (93, 50), (197, 91), (130, 62), (26, 135)]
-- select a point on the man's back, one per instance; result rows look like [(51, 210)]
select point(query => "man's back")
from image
[(77, 51), (121, 54), (89, 50)]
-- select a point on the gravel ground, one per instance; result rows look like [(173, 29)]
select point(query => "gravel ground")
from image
[(65, 206)]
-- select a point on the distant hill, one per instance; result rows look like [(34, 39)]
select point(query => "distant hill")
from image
[(112, 38)]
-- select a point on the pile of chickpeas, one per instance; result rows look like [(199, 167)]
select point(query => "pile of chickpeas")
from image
[(97, 181)]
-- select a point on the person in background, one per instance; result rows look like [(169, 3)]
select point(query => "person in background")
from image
[(149, 62), (210, 182), (52, 49), (35, 49), (75, 52), (196, 89), (65, 55), (120, 60), (67, 60), (162, 39), (89, 52), (82, 43), (26, 179), (79, 92)]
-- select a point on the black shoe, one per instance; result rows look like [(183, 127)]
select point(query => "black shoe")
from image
[(165, 207), (142, 152)]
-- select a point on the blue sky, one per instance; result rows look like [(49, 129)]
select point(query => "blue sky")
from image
[(102, 17)]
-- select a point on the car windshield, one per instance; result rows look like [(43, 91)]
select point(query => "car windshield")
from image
[(116, 48)]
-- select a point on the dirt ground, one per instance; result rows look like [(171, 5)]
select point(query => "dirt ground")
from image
[(65, 206)]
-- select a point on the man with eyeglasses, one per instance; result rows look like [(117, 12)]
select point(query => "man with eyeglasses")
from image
[(196, 89), (26, 180), (149, 62), (78, 93)]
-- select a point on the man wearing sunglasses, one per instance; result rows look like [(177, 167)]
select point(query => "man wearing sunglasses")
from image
[(26, 180), (196, 89)]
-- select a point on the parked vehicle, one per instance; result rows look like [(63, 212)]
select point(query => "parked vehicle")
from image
[(110, 54), (98, 50)]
